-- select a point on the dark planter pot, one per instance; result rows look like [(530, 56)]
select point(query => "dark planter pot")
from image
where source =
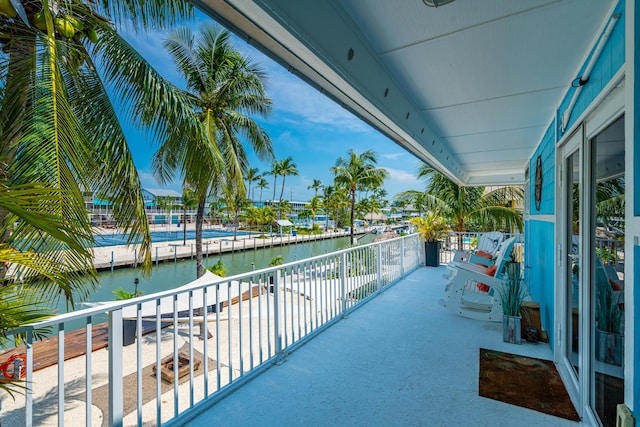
[(432, 252), (128, 332)]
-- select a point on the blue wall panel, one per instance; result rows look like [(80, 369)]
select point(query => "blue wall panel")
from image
[(547, 150), (610, 60), (636, 323), (636, 126), (540, 257)]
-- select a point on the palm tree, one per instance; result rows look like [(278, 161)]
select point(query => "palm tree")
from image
[(251, 175), (266, 215), (189, 201), (59, 129), (490, 210), (417, 199), (316, 185), (223, 87), (275, 171), (358, 170), (284, 207), (262, 184), (285, 167), (235, 203), (314, 205)]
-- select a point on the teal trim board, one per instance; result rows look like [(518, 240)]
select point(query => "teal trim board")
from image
[(636, 324), (636, 118)]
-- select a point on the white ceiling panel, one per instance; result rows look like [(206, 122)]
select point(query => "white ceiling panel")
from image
[(441, 82)]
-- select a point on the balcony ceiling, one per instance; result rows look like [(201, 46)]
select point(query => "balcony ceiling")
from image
[(469, 87)]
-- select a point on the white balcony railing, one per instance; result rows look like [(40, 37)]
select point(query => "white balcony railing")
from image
[(251, 321)]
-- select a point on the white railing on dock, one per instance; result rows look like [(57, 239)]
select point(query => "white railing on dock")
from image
[(247, 323)]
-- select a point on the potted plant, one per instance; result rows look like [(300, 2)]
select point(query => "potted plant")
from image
[(513, 293), (609, 340), (432, 228), (128, 326)]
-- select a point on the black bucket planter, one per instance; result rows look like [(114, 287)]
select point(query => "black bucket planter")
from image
[(432, 254), (128, 332)]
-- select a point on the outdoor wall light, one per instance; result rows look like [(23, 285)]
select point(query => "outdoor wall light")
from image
[(436, 3)]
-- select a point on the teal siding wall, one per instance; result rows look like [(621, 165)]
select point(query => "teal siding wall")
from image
[(636, 323), (636, 139), (611, 59), (540, 254), (547, 150), (541, 273)]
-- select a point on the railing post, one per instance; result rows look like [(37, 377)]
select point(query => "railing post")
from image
[(112, 261), (280, 356), (402, 258), (191, 250), (156, 255), (379, 266), (28, 406), (135, 258), (343, 282), (116, 392)]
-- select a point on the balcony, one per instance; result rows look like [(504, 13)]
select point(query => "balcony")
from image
[(401, 359), (352, 337)]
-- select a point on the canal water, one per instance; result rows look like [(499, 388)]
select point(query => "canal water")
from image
[(171, 275)]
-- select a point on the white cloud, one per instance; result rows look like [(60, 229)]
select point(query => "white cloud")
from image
[(403, 176), (394, 156)]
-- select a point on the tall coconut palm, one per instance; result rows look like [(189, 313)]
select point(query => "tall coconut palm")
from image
[(251, 175), (315, 186), (223, 89), (285, 167), (358, 170), (58, 127), (262, 184), (462, 205), (275, 171)]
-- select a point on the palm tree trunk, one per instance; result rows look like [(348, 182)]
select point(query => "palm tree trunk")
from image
[(280, 203), (199, 221), (184, 225), (353, 209), (274, 189), (236, 224)]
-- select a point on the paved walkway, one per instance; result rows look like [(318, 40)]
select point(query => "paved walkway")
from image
[(400, 360)]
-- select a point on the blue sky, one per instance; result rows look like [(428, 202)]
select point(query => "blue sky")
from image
[(304, 124)]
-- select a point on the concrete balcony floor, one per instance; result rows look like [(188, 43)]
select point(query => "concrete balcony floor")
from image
[(401, 360)]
